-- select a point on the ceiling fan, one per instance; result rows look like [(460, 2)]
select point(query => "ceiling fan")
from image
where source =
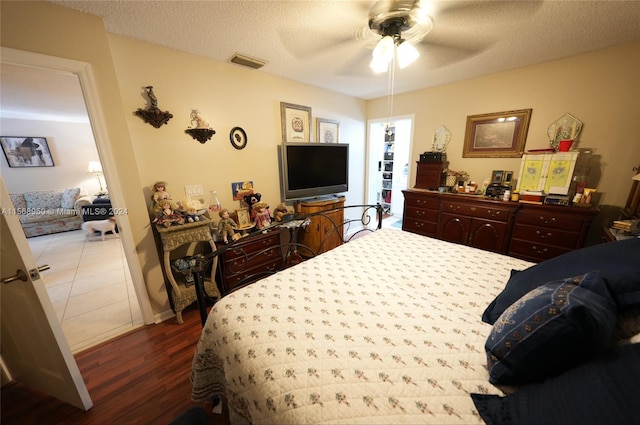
[(442, 31), (402, 24)]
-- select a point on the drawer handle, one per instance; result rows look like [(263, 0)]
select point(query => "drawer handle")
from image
[(542, 235), (539, 251), (553, 220), (472, 208), (420, 213)]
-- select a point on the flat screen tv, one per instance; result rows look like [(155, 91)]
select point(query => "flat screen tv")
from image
[(310, 170)]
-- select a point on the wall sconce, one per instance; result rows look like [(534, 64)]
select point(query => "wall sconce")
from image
[(202, 132), (95, 168), (153, 115)]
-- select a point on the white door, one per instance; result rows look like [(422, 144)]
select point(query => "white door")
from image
[(34, 349)]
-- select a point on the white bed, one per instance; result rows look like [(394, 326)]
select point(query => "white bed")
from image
[(385, 329)]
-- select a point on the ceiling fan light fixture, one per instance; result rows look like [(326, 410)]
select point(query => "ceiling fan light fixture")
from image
[(407, 54), (384, 49), (379, 65)]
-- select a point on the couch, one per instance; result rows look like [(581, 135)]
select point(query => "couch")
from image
[(49, 211)]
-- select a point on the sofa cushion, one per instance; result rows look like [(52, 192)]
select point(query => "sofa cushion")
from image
[(69, 197), (18, 201), (617, 262), (43, 200)]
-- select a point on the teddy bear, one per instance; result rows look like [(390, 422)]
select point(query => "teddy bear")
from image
[(251, 200), (262, 218), (191, 215), (279, 212), (226, 226)]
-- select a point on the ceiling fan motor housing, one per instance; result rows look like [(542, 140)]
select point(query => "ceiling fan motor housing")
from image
[(395, 17)]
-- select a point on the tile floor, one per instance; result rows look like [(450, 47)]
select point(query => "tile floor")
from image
[(89, 285)]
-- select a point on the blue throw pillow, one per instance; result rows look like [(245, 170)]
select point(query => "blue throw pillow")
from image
[(550, 329), (604, 390), (618, 262)]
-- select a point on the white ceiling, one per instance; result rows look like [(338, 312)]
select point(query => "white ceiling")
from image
[(326, 43)]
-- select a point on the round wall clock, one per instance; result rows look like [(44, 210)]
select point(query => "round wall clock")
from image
[(238, 138)]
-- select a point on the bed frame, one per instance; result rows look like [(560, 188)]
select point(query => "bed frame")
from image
[(294, 252)]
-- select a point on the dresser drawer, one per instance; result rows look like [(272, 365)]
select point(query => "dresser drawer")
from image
[(533, 251), (421, 202), (571, 223), (420, 227), (421, 214), (548, 235), (234, 280), (254, 246), (477, 210)]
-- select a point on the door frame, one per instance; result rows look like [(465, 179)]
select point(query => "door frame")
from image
[(90, 93), (371, 159)]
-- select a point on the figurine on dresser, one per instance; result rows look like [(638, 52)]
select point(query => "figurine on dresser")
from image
[(159, 196), (227, 226)]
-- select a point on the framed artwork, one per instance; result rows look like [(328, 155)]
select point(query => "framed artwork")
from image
[(327, 131), (296, 122), (26, 151), (244, 219), (496, 135), (241, 189)]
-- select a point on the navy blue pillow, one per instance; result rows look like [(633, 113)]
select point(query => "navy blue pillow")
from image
[(619, 263), (550, 329), (604, 390)]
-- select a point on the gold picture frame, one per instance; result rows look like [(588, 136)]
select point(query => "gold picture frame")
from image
[(496, 135), (327, 131), (244, 219), (296, 122)]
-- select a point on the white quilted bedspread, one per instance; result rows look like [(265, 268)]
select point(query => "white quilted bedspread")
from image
[(385, 329)]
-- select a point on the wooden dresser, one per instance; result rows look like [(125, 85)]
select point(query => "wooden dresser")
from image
[(325, 231), (530, 232), (542, 232), (250, 259)]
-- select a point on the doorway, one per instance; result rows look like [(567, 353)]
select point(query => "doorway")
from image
[(390, 142), (88, 256)]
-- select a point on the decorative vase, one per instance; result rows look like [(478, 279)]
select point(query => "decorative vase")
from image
[(451, 181)]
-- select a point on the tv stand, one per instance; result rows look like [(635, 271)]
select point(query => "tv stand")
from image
[(325, 231)]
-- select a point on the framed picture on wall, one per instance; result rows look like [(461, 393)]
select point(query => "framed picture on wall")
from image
[(296, 122), (496, 135), (327, 131), (26, 151)]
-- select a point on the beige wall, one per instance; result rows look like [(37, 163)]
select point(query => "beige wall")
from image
[(602, 89)]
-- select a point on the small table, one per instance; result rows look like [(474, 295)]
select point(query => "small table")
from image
[(175, 236)]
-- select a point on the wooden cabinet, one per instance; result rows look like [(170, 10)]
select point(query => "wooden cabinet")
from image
[(325, 231), (530, 232), (421, 210), (250, 259), (429, 175), (543, 232), (476, 222)]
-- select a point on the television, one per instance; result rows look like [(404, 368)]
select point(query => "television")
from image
[(311, 170)]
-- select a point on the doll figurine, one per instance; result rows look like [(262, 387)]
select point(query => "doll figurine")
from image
[(167, 216), (262, 218), (226, 226), (160, 194), (191, 214)]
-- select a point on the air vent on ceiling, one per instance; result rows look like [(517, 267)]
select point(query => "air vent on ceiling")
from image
[(247, 61)]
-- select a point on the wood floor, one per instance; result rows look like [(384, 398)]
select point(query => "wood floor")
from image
[(139, 378)]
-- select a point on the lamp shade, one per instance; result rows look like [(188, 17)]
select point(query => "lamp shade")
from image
[(636, 177), (94, 167), (407, 54)]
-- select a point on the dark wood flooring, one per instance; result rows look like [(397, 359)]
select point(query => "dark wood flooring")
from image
[(138, 378)]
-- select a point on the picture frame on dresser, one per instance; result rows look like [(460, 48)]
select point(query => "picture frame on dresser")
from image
[(496, 135), (296, 122)]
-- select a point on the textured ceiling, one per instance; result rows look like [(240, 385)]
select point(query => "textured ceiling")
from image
[(327, 43)]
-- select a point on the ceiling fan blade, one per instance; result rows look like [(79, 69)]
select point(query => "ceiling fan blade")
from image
[(308, 36)]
